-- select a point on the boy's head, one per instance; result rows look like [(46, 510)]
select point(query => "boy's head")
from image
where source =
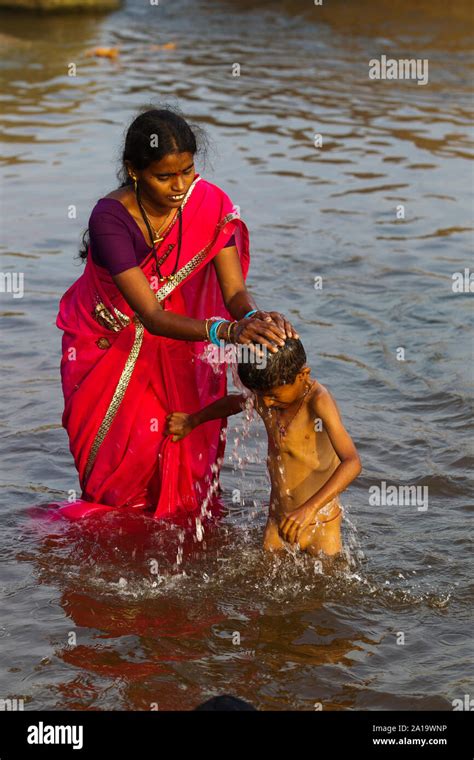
[(284, 377)]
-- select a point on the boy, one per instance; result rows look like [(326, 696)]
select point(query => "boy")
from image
[(311, 457)]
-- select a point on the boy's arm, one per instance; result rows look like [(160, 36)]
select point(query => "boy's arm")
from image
[(325, 408), (233, 403), (180, 424)]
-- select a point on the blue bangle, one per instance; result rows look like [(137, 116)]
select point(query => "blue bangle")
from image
[(249, 313), (217, 321), (213, 331), (216, 340)]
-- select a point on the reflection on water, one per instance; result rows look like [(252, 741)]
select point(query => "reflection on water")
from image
[(216, 615), (138, 617)]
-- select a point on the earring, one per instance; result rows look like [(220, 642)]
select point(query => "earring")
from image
[(134, 182)]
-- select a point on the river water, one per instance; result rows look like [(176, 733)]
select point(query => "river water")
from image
[(86, 622)]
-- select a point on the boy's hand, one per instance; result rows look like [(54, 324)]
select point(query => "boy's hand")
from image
[(293, 524), (179, 424)]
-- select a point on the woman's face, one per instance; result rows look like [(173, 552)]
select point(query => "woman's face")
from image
[(164, 183)]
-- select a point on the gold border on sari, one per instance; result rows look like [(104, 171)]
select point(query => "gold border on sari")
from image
[(119, 393), (182, 273), (105, 318)]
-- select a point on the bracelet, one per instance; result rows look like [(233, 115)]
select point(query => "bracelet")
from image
[(216, 334), (207, 326), (249, 313), (229, 329), (213, 331), (217, 329)]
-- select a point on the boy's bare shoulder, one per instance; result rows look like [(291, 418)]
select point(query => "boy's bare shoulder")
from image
[(321, 399)]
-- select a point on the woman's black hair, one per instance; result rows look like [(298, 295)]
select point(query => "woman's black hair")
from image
[(281, 368), (171, 133)]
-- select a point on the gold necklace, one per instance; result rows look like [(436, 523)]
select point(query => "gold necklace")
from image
[(156, 235), (282, 429)]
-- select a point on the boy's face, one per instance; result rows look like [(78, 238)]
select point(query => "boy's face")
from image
[(282, 396)]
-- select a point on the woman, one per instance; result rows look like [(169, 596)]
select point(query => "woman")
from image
[(159, 266)]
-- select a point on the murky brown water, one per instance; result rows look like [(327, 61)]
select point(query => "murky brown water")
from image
[(171, 638)]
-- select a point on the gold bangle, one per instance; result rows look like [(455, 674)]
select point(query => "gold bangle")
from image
[(229, 329), (217, 331), (209, 319)]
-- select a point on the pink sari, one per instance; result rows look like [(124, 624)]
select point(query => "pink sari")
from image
[(120, 382)]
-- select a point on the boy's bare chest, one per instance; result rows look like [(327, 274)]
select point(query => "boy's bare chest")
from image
[(290, 435)]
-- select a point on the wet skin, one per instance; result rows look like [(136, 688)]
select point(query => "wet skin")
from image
[(298, 466), (309, 466)]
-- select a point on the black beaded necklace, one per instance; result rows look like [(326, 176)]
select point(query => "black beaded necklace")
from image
[(152, 238)]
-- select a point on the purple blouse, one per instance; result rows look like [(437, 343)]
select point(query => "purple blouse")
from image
[(116, 240)]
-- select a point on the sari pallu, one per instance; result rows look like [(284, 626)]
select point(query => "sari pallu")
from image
[(119, 381)]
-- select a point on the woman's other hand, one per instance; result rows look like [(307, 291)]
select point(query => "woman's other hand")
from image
[(179, 424)]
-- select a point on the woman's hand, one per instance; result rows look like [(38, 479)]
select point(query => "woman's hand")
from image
[(264, 333), (179, 424), (262, 329), (279, 320)]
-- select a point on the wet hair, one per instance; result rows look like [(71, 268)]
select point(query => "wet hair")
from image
[(282, 367), (174, 135)]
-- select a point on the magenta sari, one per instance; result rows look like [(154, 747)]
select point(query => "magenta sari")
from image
[(120, 382)]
